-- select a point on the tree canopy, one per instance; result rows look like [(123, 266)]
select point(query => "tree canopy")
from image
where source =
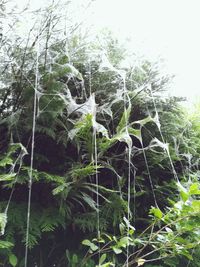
[(97, 166)]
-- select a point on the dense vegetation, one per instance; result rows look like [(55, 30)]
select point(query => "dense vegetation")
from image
[(108, 164)]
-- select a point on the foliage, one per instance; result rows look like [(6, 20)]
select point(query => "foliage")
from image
[(176, 233), (101, 130)]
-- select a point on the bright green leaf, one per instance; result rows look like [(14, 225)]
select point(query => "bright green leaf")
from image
[(102, 259), (86, 242), (196, 205), (5, 244), (7, 177), (194, 189), (156, 212), (117, 250), (93, 247), (13, 260)]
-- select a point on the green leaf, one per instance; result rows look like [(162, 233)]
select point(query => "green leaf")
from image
[(5, 244), (74, 259), (116, 250), (135, 132), (3, 222), (79, 172), (102, 259), (89, 201), (124, 120), (143, 121), (58, 189), (107, 264), (122, 228), (93, 247), (194, 189), (6, 161), (183, 192), (187, 254), (7, 177), (123, 242), (13, 260), (184, 196), (61, 188), (196, 205), (131, 232), (156, 212), (88, 243)]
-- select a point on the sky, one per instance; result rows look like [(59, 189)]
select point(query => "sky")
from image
[(167, 29)]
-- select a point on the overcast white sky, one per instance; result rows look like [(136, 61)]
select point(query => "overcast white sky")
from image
[(168, 29)]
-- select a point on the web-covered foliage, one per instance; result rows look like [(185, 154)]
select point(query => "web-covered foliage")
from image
[(90, 112)]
